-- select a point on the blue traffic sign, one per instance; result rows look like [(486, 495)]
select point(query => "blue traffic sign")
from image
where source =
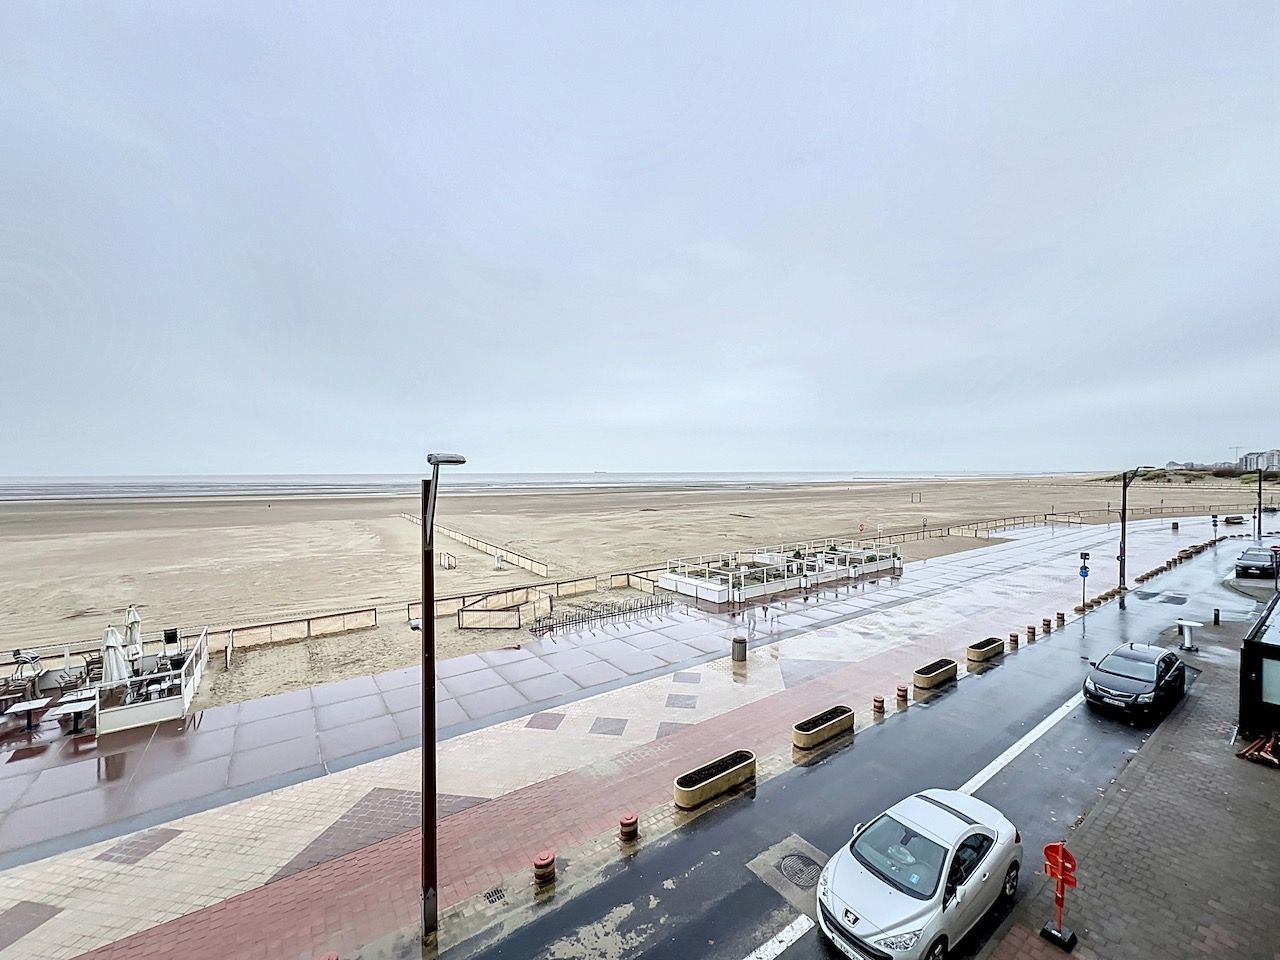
[(1084, 571)]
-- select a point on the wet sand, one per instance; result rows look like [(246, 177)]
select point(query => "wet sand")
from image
[(69, 569)]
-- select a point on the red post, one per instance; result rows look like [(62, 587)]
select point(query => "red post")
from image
[(1061, 866)]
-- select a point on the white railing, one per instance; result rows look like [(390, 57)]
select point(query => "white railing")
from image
[(193, 669)]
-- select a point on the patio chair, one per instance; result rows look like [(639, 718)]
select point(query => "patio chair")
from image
[(170, 638), (28, 664), (14, 690), (92, 667), (50, 683)]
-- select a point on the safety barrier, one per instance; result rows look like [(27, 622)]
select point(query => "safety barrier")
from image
[(451, 605), (299, 628), (506, 554)]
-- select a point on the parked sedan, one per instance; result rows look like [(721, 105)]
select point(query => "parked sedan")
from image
[(1136, 678), (915, 880), (1256, 562)]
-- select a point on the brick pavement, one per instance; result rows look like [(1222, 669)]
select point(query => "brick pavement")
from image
[(1179, 857), (487, 843), (483, 846)]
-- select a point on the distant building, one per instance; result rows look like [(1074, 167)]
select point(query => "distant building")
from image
[(1251, 461), (1273, 459)]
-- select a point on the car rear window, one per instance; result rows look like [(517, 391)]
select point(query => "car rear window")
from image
[(901, 857), (1120, 666)]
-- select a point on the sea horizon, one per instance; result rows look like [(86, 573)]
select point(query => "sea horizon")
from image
[(33, 488)]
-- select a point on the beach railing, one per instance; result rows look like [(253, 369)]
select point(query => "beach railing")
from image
[(300, 628), (506, 554)]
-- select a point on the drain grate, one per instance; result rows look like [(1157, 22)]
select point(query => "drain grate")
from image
[(496, 895), (801, 870)]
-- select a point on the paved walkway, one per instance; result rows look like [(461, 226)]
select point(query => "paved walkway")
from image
[(557, 777), (60, 793), (1179, 858)]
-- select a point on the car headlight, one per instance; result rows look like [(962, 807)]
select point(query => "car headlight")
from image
[(1146, 698), (901, 941), (1090, 685), (824, 884)]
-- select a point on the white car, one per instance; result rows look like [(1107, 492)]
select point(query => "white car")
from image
[(915, 880)]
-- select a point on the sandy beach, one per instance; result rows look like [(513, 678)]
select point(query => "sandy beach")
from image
[(71, 568)]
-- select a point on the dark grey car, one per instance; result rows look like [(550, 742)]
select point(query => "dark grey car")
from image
[(1136, 679), (1256, 562)]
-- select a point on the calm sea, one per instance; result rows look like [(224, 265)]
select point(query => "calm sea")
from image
[(86, 488)]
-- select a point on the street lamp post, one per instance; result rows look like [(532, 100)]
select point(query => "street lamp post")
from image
[(1259, 501), (427, 624), (1126, 478)]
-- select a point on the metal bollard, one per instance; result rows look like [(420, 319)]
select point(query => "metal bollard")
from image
[(544, 868), (1031, 631), (902, 694), (740, 649), (628, 827), (1217, 617), (877, 706), (1046, 625), (1014, 639), (1062, 619)]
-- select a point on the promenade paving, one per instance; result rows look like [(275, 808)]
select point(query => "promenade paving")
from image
[(1178, 859), (550, 777), (64, 792)]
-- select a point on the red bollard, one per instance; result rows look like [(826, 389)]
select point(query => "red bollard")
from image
[(544, 868), (628, 827), (877, 706)]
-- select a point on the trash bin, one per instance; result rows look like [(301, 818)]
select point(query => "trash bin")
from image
[(740, 649)]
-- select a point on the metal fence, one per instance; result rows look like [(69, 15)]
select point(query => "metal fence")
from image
[(506, 554), (612, 611)]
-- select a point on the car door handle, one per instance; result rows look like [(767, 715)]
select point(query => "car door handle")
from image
[(985, 876)]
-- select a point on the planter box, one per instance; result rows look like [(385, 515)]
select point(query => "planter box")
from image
[(707, 782), (808, 733), (985, 649), (935, 674)]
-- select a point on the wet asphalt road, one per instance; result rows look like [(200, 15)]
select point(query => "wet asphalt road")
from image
[(692, 895)]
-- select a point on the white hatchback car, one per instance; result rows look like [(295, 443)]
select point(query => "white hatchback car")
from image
[(916, 879)]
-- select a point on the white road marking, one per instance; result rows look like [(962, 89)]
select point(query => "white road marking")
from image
[(797, 928), (1038, 731), (789, 934)]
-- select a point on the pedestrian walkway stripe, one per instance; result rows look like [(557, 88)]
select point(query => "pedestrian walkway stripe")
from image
[(1038, 731), (788, 935)]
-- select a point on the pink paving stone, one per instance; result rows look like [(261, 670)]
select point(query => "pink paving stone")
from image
[(363, 894)]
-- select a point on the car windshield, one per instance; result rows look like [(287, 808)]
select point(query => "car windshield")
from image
[(1122, 666), (900, 857), (1256, 555)]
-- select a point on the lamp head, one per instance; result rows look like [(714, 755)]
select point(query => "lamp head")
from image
[(435, 459)]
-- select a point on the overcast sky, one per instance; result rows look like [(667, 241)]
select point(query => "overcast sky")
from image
[(267, 237)]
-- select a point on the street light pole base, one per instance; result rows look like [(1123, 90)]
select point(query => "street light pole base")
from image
[(1061, 938)]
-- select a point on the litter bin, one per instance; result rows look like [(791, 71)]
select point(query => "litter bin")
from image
[(740, 649)]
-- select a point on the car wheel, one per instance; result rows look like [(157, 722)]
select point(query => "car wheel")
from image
[(938, 951), (1010, 885)]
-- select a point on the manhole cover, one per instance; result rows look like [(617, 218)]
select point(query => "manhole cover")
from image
[(801, 870), (496, 895)]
